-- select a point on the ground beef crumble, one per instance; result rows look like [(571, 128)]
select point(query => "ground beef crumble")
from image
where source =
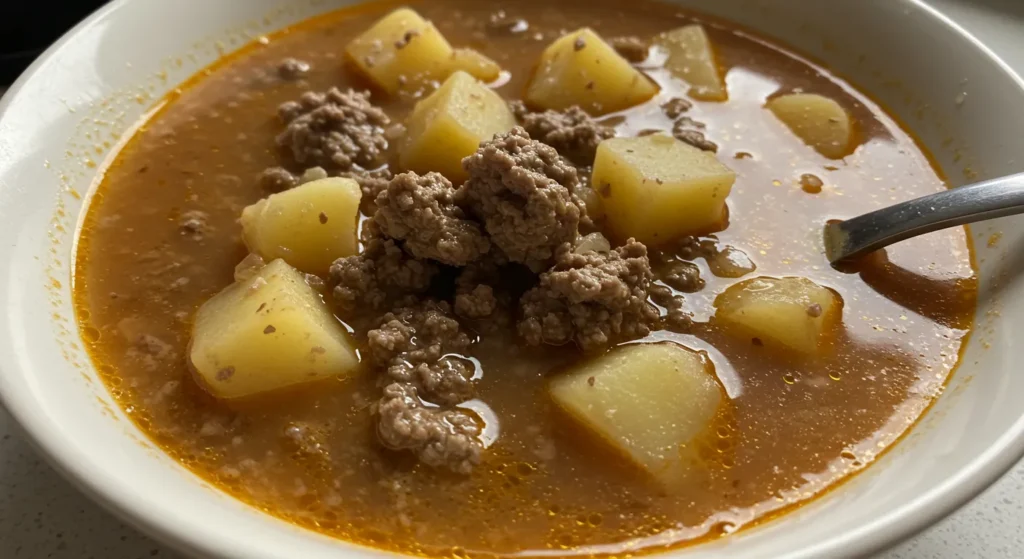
[(278, 179), (685, 129), (695, 138), (692, 248), (476, 302), (416, 344), (675, 107), (371, 183), (525, 194), (421, 210), (633, 49), (572, 132), (334, 130), (681, 276), (427, 326), (673, 318), (475, 296), (439, 437), (592, 298), (380, 274)]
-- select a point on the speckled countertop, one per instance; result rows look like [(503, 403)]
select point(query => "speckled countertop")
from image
[(42, 516)]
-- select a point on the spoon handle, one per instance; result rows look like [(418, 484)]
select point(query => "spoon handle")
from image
[(976, 202)]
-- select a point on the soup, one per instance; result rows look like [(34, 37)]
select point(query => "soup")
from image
[(535, 279)]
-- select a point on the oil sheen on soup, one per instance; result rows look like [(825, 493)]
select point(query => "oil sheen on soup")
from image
[(543, 384)]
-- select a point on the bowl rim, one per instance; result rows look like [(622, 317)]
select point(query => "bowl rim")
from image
[(885, 531)]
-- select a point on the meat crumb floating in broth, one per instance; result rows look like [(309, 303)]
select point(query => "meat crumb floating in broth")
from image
[(525, 279)]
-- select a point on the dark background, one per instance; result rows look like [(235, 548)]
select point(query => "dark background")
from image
[(27, 27)]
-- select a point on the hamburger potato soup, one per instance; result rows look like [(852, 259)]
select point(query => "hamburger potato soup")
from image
[(471, 278)]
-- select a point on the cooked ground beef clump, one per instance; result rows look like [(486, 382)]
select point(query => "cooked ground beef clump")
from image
[(591, 298), (685, 129), (692, 248), (475, 295), (674, 318), (416, 344), (334, 130), (278, 179), (421, 211), (682, 276), (371, 183), (524, 193), (380, 274), (439, 437), (675, 107), (427, 325), (633, 49), (695, 138), (476, 302), (572, 132)]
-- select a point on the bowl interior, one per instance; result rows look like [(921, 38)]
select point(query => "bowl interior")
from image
[(67, 115)]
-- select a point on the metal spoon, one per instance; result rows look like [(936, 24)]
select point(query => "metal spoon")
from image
[(847, 240)]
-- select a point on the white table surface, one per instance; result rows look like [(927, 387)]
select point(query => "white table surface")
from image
[(42, 516)]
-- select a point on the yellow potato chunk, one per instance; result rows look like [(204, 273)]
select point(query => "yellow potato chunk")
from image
[(403, 51), (309, 226), (267, 332), (787, 313), (450, 124), (691, 58), (656, 188), (582, 69), (650, 402), (819, 121), (475, 64)]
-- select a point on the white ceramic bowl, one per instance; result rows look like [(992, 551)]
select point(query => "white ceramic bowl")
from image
[(70, 109)]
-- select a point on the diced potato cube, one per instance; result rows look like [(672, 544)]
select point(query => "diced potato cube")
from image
[(450, 124), (475, 64), (789, 313), (401, 51), (819, 121), (656, 188), (582, 69), (691, 58), (310, 226), (265, 333), (650, 402)]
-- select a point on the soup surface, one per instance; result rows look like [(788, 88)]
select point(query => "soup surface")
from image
[(163, 236)]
